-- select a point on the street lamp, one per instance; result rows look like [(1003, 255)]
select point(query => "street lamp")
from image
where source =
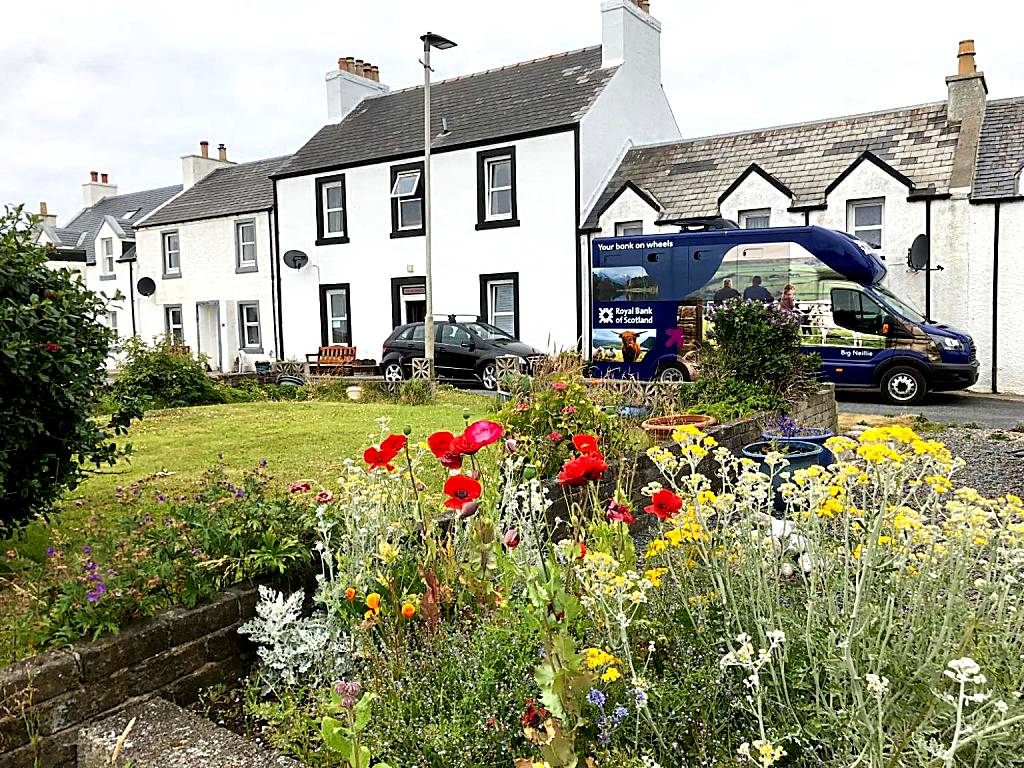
[(430, 40)]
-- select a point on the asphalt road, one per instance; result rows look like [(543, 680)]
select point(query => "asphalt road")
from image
[(944, 407)]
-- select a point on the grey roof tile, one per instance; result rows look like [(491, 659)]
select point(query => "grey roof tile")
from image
[(1000, 150), (534, 95), (241, 188), (89, 220)]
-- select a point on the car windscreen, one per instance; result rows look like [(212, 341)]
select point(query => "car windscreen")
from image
[(488, 332), (910, 313)]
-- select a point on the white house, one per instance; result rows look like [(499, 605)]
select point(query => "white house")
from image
[(101, 240), (518, 153), (950, 170), (204, 262)]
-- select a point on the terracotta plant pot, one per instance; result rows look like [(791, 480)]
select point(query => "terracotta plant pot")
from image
[(661, 427)]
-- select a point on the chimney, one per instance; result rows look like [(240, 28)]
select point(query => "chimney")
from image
[(630, 36), (967, 88), (196, 167), (353, 81), (97, 188), (49, 219)]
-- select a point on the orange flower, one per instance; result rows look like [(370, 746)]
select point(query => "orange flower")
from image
[(408, 610), (373, 603), (350, 594)]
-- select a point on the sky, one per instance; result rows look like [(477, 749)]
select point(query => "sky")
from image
[(127, 88)]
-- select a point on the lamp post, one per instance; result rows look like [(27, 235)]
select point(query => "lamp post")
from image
[(430, 40)]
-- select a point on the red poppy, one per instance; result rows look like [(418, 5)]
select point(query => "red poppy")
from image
[(534, 715), (511, 539), (585, 443), (582, 469), (461, 490), (440, 444), (583, 551), (450, 449), (481, 433), (664, 504), (394, 444), (383, 455), (619, 513), (51, 347)]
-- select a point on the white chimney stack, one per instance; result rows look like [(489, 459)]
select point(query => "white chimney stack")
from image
[(630, 36), (196, 167), (96, 190), (353, 81)]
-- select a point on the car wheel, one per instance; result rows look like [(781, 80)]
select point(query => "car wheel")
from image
[(393, 373), (671, 372), (489, 376), (904, 386)]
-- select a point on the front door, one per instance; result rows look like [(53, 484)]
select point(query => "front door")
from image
[(412, 298), (208, 333)]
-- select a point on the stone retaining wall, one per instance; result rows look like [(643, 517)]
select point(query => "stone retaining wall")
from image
[(46, 699)]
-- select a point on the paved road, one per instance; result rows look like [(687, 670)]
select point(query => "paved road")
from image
[(944, 407)]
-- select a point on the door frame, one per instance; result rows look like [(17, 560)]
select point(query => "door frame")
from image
[(396, 296), (325, 319), (199, 332)]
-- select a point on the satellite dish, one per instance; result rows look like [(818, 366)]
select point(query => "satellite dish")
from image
[(296, 259), (919, 255), (146, 286)]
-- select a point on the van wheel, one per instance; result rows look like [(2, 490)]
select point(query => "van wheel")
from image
[(393, 373), (903, 385), (672, 372), (489, 377)]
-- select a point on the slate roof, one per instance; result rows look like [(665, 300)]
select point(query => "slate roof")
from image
[(68, 237), (687, 177), (89, 220), (535, 95), (241, 188), (1000, 150)]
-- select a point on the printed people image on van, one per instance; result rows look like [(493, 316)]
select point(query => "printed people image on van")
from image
[(726, 292), (757, 292), (788, 300)]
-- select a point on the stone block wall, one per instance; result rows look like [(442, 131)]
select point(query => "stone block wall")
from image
[(46, 699)]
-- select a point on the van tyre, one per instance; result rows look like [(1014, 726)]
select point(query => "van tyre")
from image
[(489, 376), (672, 372), (904, 385), (393, 373)]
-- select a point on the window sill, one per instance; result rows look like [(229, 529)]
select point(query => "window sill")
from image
[(171, 275), (110, 276), (497, 224), (408, 233), (251, 350), (333, 240), (243, 270)]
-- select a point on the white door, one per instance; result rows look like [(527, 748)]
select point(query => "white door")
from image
[(208, 333)]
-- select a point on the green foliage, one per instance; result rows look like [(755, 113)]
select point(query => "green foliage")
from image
[(728, 399), (252, 391), (417, 392), (164, 375), (52, 355)]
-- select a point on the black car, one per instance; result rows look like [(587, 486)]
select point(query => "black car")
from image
[(462, 351)]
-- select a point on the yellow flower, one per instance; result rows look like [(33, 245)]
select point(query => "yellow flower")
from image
[(655, 548), (373, 603), (611, 675), (654, 576)]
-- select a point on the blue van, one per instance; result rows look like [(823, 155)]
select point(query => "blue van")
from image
[(650, 298)]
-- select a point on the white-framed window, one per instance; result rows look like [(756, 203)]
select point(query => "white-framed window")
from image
[(629, 228), (498, 172), (173, 325), (245, 246), (107, 250), (129, 215), (759, 218), (501, 305), (336, 313), (172, 254), (112, 322), (249, 325), (408, 201), (333, 208), (865, 219)]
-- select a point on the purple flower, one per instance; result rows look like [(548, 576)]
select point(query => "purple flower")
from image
[(240, 494), (96, 592), (641, 697), (50, 551), (596, 698), (231, 486), (161, 499), (263, 462), (620, 714), (137, 492), (86, 549)]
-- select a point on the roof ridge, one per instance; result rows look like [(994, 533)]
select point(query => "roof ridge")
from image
[(492, 70), (1005, 100), (785, 126)]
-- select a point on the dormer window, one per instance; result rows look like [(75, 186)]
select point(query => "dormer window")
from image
[(129, 215), (407, 200), (496, 188)]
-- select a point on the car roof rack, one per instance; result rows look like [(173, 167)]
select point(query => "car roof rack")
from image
[(703, 224), (453, 318)]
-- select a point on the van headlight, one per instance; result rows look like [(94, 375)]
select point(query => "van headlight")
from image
[(947, 343)]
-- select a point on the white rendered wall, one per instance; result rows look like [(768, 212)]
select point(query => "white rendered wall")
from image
[(207, 274), (541, 249), (755, 192), (629, 206)]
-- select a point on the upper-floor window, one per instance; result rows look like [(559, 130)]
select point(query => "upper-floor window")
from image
[(759, 218), (245, 246), (496, 188), (331, 213), (629, 228), (107, 250), (865, 219), (407, 200), (171, 255)]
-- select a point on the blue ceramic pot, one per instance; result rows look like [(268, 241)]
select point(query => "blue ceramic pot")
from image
[(816, 435), (800, 455)]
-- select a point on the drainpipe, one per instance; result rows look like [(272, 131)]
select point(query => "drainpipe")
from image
[(131, 293), (928, 266), (807, 218), (273, 304), (277, 274), (995, 299)]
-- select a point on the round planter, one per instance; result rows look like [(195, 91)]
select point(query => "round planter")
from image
[(355, 392), (818, 436), (661, 427), (801, 456)]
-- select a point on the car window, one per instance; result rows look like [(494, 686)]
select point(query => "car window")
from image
[(405, 334), (456, 334), (417, 333), (487, 332)]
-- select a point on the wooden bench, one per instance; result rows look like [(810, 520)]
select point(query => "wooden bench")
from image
[(335, 359)]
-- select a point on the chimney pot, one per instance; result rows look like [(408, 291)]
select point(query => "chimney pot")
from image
[(104, 178), (94, 176), (367, 71), (350, 64), (375, 73), (644, 5), (341, 63), (222, 153), (42, 209), (357, 69), (965, 58), (204, 149)]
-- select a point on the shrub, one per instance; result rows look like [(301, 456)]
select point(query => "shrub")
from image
[(417, 392), (52, 359), (728, 399), (164, 375)]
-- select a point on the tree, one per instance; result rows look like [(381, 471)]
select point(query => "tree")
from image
[(52, 354)]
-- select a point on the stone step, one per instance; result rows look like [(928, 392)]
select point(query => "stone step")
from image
[(166, 736)]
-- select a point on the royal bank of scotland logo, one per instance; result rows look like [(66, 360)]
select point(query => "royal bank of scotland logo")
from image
[(605, 315)]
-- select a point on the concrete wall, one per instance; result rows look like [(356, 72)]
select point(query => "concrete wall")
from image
[(208, 274), (44, 700)]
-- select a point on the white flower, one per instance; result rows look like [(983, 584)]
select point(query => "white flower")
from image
[(1001, 705), (878, 685), (776, 636), (965, 670)]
